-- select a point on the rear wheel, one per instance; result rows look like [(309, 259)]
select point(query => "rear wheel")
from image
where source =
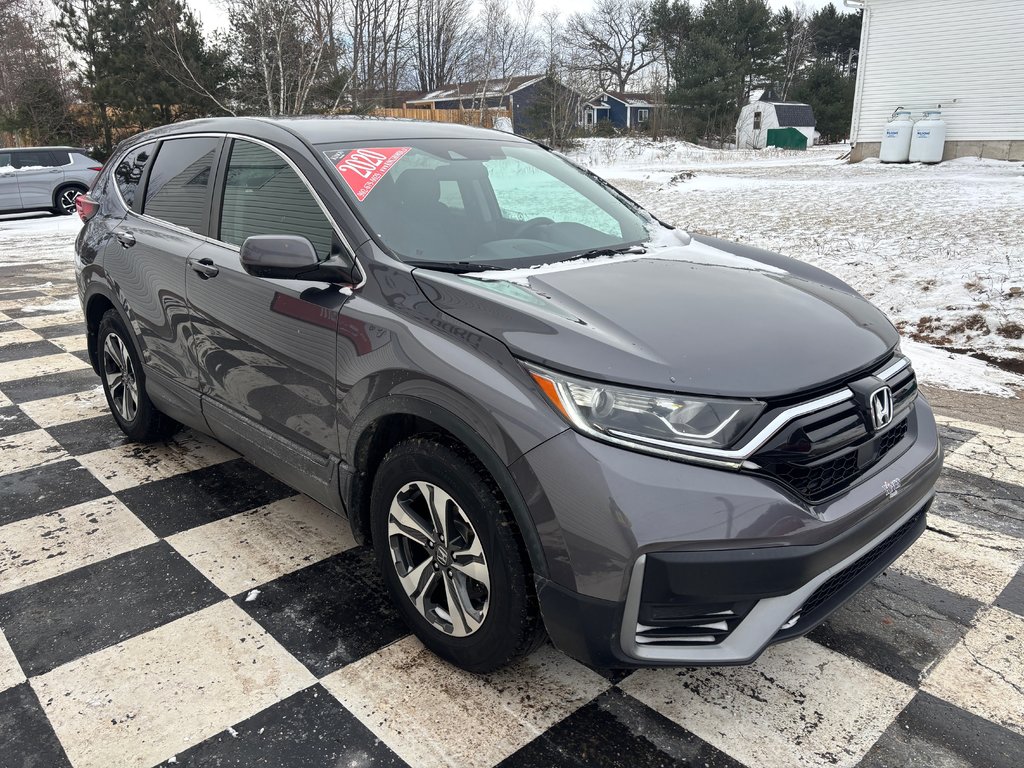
[(64, 199), (451, 556), (124, 384)]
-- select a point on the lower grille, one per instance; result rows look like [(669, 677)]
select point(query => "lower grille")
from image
[(842, 585)]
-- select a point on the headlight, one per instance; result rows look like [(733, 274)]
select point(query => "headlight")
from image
[(647, 420)]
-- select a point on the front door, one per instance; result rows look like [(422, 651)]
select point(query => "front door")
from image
[(38, 177), (266, 349)]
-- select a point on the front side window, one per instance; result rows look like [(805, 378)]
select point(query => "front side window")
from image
[(5, 161), (491, 203), (179, 184), (129, 169), (264, 196)]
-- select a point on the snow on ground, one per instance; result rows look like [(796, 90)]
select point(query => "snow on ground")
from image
[(38, 239), (938, 248)]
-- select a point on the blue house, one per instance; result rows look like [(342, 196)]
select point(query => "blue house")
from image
[(628, 111)]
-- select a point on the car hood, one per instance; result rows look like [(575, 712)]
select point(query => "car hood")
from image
[(709, 318)]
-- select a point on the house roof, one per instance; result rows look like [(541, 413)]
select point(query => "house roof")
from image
[(794, 114), (633, 99), (478, 89)]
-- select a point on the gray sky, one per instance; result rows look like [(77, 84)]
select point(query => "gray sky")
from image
[(213, 16)]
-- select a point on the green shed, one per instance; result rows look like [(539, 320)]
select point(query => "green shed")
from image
[(786, 138)]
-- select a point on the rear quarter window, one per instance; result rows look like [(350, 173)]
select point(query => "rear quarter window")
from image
[(129, 171), (178, 189)]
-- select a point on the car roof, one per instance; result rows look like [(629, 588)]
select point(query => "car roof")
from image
[(342, 128), (40, 149)]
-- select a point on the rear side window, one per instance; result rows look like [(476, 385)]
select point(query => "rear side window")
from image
[(264, 196), (33, 159), (128, 172), (179, 183)]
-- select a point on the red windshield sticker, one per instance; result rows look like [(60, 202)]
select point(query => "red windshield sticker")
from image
[(363, 168)]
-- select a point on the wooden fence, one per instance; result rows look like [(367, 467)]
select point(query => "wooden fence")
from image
[(485, 117)]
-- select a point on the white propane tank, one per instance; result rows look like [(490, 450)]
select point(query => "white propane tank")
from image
[(929, 138), (896, 138)]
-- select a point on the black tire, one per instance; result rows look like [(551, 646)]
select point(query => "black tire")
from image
[(60, 198), (143, 423), (511, 626)]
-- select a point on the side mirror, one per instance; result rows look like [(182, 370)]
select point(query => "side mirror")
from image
[(291, 257)]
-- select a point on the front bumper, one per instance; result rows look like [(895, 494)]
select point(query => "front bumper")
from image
[(653, 562)]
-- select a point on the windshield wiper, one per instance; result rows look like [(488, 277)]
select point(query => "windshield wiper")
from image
[(593, 254), (455, 266)]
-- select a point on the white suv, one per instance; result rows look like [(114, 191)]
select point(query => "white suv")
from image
[(44, 178)]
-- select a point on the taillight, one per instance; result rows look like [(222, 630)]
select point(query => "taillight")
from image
[(96, 168), (86, 207)]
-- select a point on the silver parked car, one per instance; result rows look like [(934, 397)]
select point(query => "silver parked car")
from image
[(44, 178)]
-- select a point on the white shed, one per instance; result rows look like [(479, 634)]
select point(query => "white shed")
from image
[(966, 58), (769, 112)]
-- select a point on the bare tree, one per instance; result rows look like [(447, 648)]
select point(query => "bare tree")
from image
[(377, 29), (614, 35), (797, 44), (441, 33)]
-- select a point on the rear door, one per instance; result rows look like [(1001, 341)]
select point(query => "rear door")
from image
[(10, 197), (266, 349), (167, 220), (38, 177)]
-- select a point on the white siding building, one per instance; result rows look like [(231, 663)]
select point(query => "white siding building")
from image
[(965, 57), (757, 117)]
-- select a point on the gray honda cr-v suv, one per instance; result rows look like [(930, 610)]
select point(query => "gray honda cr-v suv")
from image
[(544, 408), (44, 178)]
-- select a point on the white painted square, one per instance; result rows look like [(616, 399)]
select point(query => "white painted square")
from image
[(984, 674), (48, 545), (139, 702), (64, 409), (31, 367), (4, 400), (10, 670), (964, 559), (997, 454), (27, 450), (254, 547), (799, 704), (133, 464), (45, 320), (77, 343), (433, 714), (19, 336)]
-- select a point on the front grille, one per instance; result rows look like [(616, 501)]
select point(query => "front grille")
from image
[(842, 585), (823, 453)]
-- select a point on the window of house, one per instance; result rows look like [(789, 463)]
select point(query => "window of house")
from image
[(179, 184), (264, 196), (643, 115), (757, 121)]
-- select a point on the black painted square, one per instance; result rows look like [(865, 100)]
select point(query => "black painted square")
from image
[(616, 730), (63, 618), (202, 496), (52, 385), (13, 421), (57, 331), (44, 489), (898, 625), (981, 502), (309, 728), (26, 738), (1012, 597), (88, 435), (328, 614), (27, 349), (932, 732)]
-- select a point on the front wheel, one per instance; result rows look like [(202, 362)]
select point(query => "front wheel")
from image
[(451, 557), (124, 384)]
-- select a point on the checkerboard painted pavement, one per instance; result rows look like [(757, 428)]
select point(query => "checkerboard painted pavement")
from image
[(171, 604)]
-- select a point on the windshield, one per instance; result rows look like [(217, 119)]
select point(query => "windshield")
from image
[(482, 203)]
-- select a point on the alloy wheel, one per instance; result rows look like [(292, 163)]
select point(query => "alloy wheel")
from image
[(119, 373), (66, 201), (439, 558)]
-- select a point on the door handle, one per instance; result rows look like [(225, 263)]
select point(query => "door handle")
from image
[(205, 268), (125, 238)]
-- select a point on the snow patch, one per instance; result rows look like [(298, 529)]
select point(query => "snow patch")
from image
[(253, 594), (948, 370)]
